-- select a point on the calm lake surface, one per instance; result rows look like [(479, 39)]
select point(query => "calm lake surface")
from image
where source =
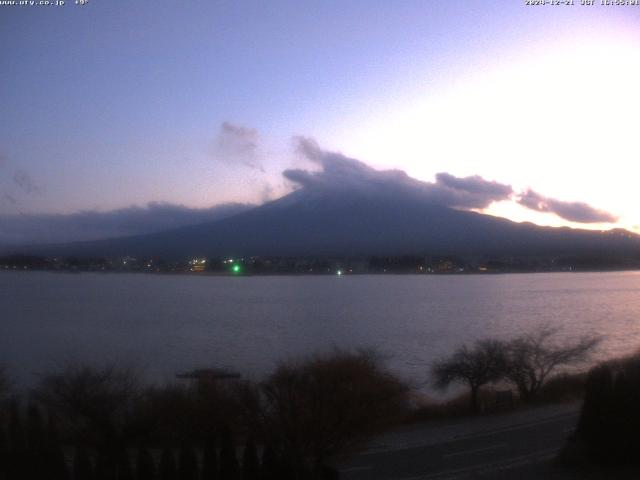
[(164, 324)]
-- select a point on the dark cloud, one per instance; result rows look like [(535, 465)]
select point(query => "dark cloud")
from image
[(341, 172), (573, 211), (24, 181), (15, 183), (91, 225), (238, 145), (9, 199), (336, 171), (474, 184)]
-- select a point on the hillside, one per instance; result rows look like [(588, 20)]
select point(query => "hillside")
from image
[(388, 222)]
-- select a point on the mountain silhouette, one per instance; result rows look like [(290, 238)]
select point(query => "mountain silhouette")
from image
[(382, 221)]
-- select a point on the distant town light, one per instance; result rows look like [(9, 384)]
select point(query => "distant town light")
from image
[(339, 272)]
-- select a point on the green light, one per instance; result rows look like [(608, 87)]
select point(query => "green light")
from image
[(236, 269)]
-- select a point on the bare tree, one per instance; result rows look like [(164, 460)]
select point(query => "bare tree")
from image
[(326, 404), (477, 366), (533, 357)]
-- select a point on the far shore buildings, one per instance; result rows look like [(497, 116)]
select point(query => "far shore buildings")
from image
[(197, 264)]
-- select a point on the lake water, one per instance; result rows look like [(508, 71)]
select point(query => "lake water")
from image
[(164, 324)]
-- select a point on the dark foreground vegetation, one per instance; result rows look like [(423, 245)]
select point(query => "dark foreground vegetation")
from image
[(607, 432), (87, 423), (103, 423)]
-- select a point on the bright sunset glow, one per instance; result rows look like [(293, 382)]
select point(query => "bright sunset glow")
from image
[(563, 122)]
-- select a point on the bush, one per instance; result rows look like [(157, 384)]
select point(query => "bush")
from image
[(82, 466), (187, 464), (93, 403), (177, 414), (229, 468), (610, 418), (210, 463), (167, 469), (325, 405), (564, 387), (145, 466), (250, 462), (5, 384), (169, 415)]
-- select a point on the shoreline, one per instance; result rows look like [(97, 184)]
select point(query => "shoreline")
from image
[(308, 274)]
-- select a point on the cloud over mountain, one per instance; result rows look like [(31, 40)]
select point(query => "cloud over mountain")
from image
[(579, 212), (339, 171), (92, 225)]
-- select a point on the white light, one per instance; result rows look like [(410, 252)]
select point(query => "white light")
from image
[(533, 122)]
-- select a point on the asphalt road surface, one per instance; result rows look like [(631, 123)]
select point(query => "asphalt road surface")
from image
[(497, 446)]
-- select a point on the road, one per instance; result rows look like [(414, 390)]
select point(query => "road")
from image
[(483, 446)]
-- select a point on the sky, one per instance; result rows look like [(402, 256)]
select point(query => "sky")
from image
[(117, 106)]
